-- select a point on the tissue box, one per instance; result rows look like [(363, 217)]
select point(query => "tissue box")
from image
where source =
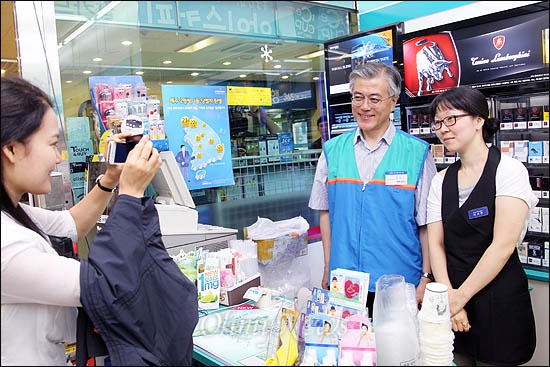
[(281, 248), (234, 295), (349, 288)]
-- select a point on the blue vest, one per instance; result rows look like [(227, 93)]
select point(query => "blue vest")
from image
[(373, 226)]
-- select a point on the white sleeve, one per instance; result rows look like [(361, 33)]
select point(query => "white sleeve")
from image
[(512, 179), (434, 199), (318, 199), (32, 272), (53, 222)]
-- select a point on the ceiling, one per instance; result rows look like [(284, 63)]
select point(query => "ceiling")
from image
[(151, 47)]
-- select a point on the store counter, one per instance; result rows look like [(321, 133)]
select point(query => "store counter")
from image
[(240, 338)]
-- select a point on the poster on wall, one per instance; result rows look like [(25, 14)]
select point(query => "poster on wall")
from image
[(197, 128), (344, 54), (432, 64), (492, 54)]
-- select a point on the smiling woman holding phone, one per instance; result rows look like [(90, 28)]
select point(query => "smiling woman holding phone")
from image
[(41, 288)]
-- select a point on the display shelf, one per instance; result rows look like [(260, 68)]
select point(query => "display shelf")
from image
[(536, 274)]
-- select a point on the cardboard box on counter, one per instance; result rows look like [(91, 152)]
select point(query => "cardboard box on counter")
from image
[(234, 295)]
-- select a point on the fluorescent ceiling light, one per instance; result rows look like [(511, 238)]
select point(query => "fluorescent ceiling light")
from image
[(100, 14), (312, 55), (284, 77), (78, 31), (297, 61), (126, 43), (166, 62), (303, 71), (71, 17), (106, 9), (194, 73), (209, 41), (97, 59)]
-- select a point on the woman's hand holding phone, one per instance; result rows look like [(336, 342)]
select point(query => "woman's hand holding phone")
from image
[(142, 163)]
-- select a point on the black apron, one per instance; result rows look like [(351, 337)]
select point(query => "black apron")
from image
[(501, 315)]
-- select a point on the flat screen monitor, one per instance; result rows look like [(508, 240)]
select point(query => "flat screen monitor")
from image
[(169, 183), (344, 54), (497, 51), (341, 119)]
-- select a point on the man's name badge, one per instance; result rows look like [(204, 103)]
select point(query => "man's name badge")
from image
[(478, 213), (394, 178)]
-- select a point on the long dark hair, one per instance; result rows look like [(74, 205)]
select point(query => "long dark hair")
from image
[(471, 101), (23, 108)]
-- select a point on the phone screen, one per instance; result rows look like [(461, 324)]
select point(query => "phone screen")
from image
[(118, 152)]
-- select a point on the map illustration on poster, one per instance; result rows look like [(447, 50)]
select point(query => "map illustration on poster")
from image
[(197, 127)]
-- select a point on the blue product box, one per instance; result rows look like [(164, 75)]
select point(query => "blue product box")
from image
[(161, 144), (80, 149), (286, 145), (78, 128), (535, 152)]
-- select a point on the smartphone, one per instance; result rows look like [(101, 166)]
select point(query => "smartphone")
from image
[(118, 152)]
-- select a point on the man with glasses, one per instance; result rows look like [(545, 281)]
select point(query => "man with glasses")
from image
[(371, 187)]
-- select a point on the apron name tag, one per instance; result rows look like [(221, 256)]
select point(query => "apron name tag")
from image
[(478, 213), (396, 178)]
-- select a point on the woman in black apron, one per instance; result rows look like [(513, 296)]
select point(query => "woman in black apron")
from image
[(477, 213)]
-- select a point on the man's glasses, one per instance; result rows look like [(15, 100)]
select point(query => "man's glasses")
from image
[(358, 100), (447, 121)]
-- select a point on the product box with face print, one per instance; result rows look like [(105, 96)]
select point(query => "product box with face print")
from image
[(520, 118), (349, 288), (425, 125), (414, 125), (535, 117), (506, 119)]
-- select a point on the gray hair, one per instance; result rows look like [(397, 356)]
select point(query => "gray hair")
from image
[(373, 70)]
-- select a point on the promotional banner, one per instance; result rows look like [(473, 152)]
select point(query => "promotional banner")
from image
[(345, 54), (431, 64), (505, 52), (197, 127)]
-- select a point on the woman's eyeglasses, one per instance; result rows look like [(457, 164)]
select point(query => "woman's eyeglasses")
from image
[(447, 121)]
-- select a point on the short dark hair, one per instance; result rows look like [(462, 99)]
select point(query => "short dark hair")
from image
[(469, 100), (320, 120)]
